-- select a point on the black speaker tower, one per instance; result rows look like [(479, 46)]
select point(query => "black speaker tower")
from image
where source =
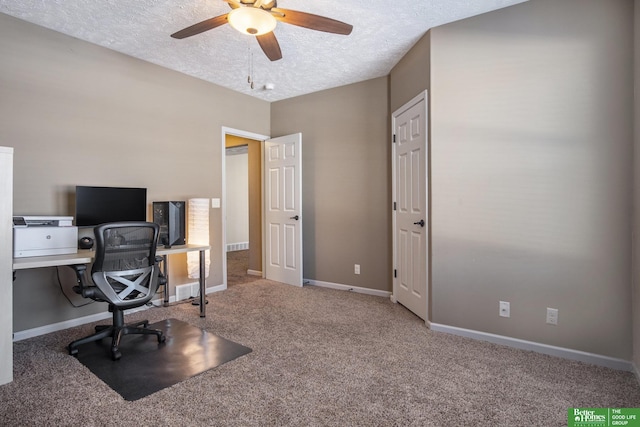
[(170, 216)]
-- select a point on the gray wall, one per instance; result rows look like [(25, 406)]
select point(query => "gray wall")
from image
[(532, 172), (636, 195), (346, 181), (80, 114)]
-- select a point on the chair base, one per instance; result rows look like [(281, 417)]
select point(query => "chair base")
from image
[(116, 331)]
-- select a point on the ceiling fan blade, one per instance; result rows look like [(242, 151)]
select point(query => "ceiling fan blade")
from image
[(233, 4), (313, 22), (201, 27), (270, 46)]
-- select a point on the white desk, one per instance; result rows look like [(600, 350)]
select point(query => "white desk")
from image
[(85, 256)]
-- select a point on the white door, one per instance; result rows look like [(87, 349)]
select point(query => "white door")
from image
[(411, 216), (283, 209)]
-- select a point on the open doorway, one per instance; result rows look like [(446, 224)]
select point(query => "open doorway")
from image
[(243, 226), (280, 250)]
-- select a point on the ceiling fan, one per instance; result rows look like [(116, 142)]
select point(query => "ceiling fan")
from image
[(259, 17)]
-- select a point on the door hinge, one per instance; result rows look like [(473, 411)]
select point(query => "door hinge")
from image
[(394, 137), (395, 273), (394, 206)]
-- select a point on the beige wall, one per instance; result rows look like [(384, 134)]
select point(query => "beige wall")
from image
[(79, 114), (532, 172), (346, 181), (531, 162), (411, 75), (636, 194)]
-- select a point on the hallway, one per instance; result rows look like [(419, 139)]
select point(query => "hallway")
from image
[(237, 266)]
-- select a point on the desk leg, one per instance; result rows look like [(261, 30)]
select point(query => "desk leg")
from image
[(203, 301), (165, 269)]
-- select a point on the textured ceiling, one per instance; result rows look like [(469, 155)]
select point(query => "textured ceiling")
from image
[(383, 32)]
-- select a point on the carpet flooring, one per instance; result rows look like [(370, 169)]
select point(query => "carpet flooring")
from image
[(321, 357)]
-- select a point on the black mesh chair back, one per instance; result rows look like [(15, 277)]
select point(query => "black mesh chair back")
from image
[(125, 274), (125, 270)]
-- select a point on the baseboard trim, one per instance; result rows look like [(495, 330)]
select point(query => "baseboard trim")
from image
[(214, 289), (43, 330), (342, 287), (636, 371), (254, 273), (71, 323), (566, 353)]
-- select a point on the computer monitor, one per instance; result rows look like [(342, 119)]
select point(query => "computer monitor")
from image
[(98, 205)]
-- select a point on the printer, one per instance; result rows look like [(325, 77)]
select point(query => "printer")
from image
[(44, 235)]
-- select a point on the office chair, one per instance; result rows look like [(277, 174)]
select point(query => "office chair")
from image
[(125, 274)]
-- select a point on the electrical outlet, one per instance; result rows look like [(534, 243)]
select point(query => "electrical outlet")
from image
[(505, 309), (552, 316), (356, 268)]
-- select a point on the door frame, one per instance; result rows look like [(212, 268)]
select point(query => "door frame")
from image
[(223, 199), (422, 96)]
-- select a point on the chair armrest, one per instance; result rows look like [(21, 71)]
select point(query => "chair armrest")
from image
[(79, 268), (84, 289)]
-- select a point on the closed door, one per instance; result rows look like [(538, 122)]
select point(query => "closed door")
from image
[(283, 209), (411, 216)]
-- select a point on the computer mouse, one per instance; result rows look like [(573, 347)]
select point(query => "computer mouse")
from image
[(85, 243)]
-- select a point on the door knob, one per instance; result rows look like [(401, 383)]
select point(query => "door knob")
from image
[(420, 223), (295, 217)]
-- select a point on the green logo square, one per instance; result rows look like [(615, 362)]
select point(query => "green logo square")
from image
[(603, 417)]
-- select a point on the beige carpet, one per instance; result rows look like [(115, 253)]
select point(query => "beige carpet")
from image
[(320, 357)]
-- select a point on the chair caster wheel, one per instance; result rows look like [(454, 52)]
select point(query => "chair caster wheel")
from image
[(161, 338), (116, 355)]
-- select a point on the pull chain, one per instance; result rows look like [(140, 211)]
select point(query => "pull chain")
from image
[(250, 66)]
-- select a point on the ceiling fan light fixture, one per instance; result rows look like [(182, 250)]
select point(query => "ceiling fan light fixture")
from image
[(252, 21)]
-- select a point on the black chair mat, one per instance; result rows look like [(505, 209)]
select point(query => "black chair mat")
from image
[(147, 367)]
